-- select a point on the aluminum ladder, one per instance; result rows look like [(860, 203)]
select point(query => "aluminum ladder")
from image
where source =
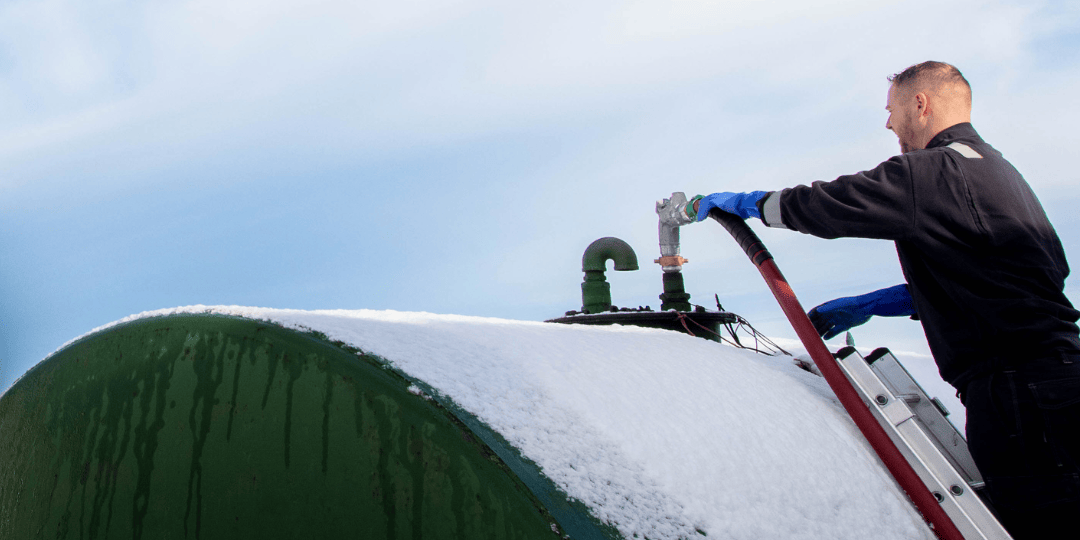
[(917, 424)]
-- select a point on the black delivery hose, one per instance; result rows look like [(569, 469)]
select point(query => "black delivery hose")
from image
[(924, 501)]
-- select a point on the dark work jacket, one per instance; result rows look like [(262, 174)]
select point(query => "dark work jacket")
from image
[(985, 268)]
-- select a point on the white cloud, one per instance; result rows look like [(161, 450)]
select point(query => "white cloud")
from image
[(736, 95)]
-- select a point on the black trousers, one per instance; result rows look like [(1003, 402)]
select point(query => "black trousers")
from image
[(1023, 430)]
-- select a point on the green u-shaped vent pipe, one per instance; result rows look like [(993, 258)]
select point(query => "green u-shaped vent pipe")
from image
[(595, 290)]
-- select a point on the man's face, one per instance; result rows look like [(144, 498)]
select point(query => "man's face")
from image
[(901, 120)]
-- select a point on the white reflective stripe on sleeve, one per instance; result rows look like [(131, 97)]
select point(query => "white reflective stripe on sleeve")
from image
[(965, 150), (770, 211)]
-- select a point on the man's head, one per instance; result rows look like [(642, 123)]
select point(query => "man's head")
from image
[(924, 100)]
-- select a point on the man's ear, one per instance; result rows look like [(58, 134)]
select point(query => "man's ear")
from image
[(923, 104)]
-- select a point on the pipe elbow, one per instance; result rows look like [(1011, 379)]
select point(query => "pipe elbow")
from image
[(609, 248)]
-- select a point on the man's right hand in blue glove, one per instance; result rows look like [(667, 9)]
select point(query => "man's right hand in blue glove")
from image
[(743, 205), (836, 316)]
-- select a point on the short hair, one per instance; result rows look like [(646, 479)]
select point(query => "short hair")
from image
[(932, 74)]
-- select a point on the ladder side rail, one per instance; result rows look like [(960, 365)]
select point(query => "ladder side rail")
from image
[(958, 500), (937, 426)]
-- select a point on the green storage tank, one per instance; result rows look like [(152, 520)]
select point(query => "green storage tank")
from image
[(215, 427)]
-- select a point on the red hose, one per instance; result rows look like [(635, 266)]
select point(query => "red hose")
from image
[(901, 470)]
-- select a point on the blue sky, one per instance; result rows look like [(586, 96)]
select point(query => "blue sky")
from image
[(458, 156)]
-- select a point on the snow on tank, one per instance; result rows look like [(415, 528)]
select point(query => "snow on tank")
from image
[(657, 434)]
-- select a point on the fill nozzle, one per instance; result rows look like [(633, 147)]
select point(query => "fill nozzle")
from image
[(673, 214)]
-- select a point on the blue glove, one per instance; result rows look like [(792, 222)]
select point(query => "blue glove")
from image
[(836, 316), (743, 205)]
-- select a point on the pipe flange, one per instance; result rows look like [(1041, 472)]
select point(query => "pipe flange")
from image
[(673, 260)]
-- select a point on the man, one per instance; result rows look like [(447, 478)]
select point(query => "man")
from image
[(985, 275)]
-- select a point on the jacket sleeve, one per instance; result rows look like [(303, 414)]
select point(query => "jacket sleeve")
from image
[(878, 203)]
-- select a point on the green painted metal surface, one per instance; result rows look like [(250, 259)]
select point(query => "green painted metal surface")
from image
[(595, 290), (674, 295), (212, 427), (606, 249)]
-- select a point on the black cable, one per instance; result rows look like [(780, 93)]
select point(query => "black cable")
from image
[(772, 348)]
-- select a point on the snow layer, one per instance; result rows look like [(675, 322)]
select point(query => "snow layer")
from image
[(660, 434)]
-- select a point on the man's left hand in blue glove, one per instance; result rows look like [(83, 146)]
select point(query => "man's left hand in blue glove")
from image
[(743, 205), (837, 316)]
